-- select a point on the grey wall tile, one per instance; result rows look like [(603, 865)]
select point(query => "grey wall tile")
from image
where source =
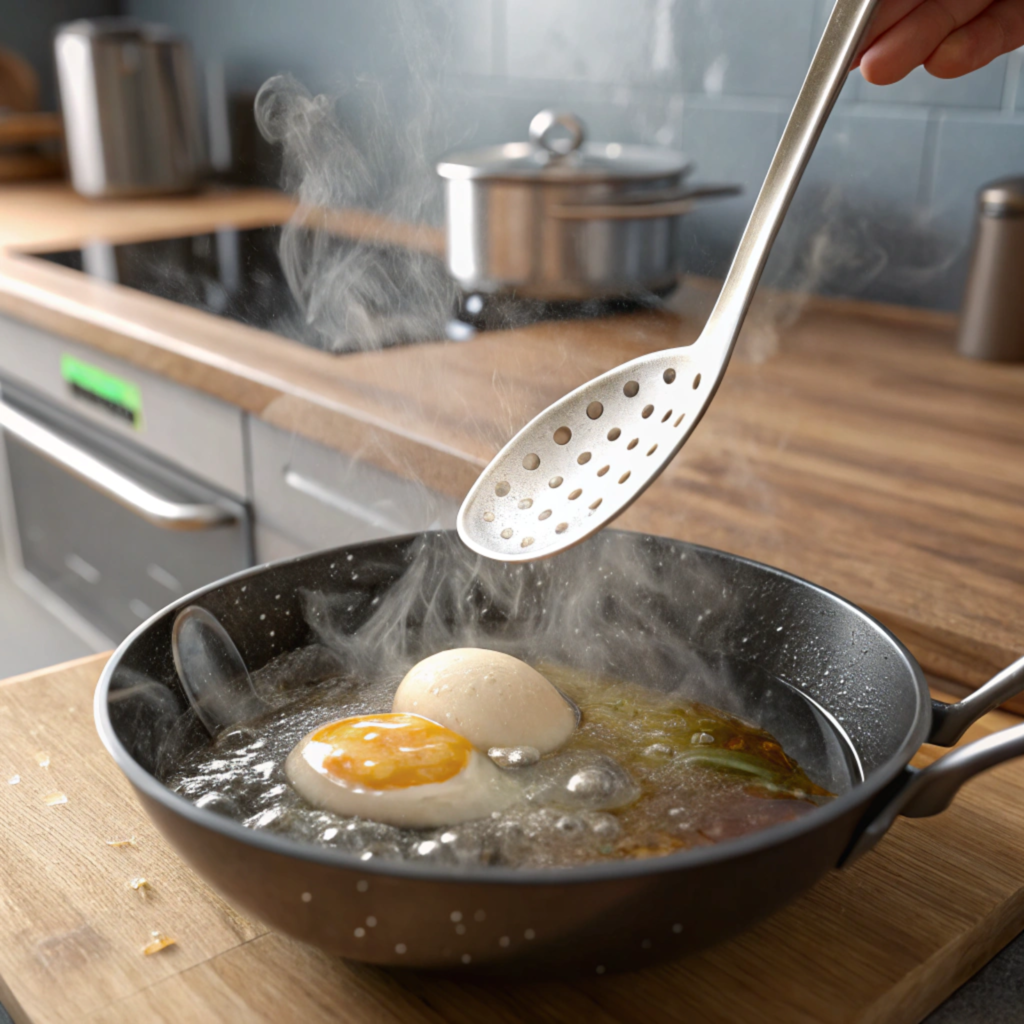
[(591, 40), (740, 48), (870, 155), (982, 88), (728, 142)]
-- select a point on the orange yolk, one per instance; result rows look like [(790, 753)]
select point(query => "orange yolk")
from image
[(392, 751)]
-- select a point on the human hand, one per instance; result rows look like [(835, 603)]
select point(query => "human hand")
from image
[(949, 37)]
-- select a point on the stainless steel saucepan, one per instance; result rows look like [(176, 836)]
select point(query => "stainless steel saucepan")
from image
[(558, 218)]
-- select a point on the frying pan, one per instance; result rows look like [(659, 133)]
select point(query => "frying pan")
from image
[(743, 636)]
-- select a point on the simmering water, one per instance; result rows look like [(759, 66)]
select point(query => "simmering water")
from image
[(688, 775)]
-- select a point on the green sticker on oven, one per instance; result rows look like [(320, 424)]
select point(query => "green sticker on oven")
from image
[(116, 395)]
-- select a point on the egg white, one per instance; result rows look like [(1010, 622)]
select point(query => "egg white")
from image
[(478, 790), (492, 699)]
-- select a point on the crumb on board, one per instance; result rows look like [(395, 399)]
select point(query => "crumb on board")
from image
[(139, 885), (121, 842), (14, 780), (43, 758), (52, 799), (157, 942)]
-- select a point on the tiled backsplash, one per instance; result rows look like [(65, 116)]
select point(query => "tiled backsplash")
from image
[(885, 209)]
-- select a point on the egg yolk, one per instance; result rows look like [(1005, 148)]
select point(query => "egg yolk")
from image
[(391, 751)]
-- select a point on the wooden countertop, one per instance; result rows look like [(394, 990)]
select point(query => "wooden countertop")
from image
[(884, 941), (849, 444)]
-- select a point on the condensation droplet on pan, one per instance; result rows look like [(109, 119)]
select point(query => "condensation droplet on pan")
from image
[(362, 885), (507, 532), (648, 409), (504, 942), (466, 958), (488, 517), (614, 434), (307, 897), (555, 481), (583, 458), (632, 444), (631, 388), (502, 489), (594, 410), (563, 435), (529, 934), (546, 514), (526, 503), (575, 494), (400, 948), (359, 933), (669, 375), (531, 461)]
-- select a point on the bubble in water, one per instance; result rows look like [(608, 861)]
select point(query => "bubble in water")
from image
[(514, 757)]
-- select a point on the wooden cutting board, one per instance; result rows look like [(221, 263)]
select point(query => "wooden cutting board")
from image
[(885, 941)]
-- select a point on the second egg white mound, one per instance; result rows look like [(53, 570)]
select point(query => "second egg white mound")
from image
[(492, 699)]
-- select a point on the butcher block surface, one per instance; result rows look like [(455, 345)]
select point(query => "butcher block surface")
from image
[(884, 941)]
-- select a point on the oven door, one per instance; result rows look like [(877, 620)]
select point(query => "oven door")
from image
[(103, 531)]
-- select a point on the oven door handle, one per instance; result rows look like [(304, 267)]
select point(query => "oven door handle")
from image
[(170, 515)]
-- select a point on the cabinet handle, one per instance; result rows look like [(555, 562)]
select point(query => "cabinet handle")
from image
[(110, 482)]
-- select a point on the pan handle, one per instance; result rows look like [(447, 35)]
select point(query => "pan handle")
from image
[(921, 793)]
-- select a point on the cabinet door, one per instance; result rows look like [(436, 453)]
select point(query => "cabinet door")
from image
[(307, 496)]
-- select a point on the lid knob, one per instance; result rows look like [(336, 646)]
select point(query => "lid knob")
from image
[(543, 124)]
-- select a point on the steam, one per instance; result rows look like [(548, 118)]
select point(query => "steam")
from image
[(357, 284)]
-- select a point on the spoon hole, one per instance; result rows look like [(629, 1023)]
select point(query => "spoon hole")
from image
[(614, 434), (624, 477), (654, 448), (532, 461), (555, 481), (664, 419), (594, 504), (488, 517), (631, 388), (669, 375), (502, 489), (603, 470), (696, 382), (506, 533), (648, 409), (561, 527), (594, 410), (546, 514), (575, 494), (584, 458), (563, 435), (632, 444), (682, 416)]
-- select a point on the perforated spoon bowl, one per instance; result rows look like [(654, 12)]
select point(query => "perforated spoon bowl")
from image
[(571, 470)]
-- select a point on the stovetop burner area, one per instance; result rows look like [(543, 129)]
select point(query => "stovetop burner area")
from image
[(367, 295)]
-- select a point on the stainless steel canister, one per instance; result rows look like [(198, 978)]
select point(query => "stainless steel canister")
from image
[(560, 218), (992, 316), (131, 108)]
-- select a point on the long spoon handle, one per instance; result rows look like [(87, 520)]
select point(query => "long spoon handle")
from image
[(846, 28)]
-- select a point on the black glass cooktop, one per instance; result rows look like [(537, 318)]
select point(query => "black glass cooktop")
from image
[(339, 294), (354, 295)]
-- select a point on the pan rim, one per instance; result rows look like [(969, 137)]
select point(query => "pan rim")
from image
[(860, 795)]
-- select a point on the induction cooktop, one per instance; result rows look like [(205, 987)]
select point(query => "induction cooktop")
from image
[(342, 295)]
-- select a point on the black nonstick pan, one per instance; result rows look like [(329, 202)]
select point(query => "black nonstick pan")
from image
[(839, 691)]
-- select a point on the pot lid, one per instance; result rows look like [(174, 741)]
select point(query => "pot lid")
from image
[(557, 152), (1003, 198)]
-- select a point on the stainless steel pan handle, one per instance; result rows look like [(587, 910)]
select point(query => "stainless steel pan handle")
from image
[(109, 481), (919, 794), (640, 208)]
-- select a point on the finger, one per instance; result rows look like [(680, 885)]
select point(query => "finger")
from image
[(997, 30), (915, 38), (889, 12)]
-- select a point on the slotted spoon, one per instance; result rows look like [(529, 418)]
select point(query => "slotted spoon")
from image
[(571, 470)]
